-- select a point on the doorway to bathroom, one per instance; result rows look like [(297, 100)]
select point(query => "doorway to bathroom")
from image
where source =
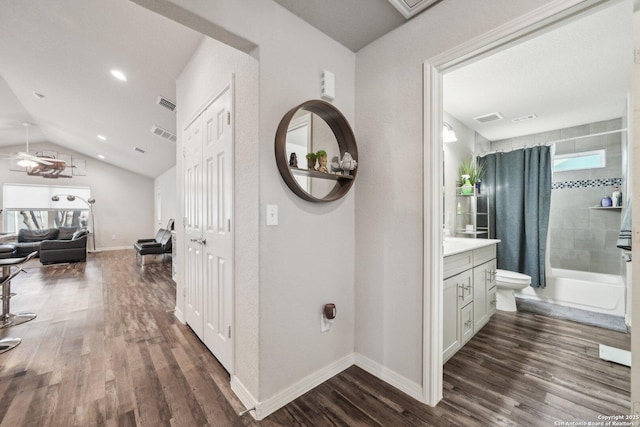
[(442, 161)]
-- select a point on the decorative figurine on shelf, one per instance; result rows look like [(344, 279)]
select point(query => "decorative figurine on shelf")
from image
[(322, 161), (293, 160), (348, 163), (616, 197), (311, 161), (606, 202), (335, 164), (467, 187)]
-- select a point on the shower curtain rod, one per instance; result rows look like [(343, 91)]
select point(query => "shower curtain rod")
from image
[(556, 141)]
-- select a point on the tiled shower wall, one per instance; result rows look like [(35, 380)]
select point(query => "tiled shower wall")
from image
[(582, 238)]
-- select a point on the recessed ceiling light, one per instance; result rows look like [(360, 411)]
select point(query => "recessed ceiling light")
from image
[(100, 156), (119, 75), (101, 137), (38, 95)]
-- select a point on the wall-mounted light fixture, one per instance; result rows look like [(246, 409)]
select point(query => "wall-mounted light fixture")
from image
[(448, 134), (89, 202)]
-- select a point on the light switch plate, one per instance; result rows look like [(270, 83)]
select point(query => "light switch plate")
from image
[(272, 214)]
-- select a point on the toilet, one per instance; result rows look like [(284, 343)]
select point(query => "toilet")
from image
[(506, 283)]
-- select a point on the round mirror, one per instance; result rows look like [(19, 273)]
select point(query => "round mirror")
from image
[(316, 152)]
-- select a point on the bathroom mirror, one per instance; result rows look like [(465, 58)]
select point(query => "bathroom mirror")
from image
[(308, 128)]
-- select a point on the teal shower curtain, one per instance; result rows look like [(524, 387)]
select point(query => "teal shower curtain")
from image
[(518, 184)]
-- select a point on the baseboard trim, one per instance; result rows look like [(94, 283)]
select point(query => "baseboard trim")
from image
[(389, 376), (111, 248), (272, 404), (244, 395), (179, 315)]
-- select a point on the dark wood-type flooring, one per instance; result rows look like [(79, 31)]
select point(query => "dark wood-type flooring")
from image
[(106, 349)]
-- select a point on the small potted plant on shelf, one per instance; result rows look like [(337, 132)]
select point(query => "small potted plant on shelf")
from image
[(311, 161), (322, 161), (469, 172)]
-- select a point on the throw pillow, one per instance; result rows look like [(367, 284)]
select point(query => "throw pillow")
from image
[(79, 233), (66, 233), (37, 235)]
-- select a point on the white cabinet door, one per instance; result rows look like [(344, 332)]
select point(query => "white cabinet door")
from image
[(453, 296), (483, 280), (492, 298), (466, 323), (450, 326)]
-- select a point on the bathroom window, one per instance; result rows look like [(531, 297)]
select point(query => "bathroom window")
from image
[(577, 161)]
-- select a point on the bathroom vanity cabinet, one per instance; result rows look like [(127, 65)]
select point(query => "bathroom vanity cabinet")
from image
[(469, 292)]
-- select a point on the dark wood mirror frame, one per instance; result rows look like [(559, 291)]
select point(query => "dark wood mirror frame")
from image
[(346, 143)]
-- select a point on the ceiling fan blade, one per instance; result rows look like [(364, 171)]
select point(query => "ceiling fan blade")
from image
[(46, 162)]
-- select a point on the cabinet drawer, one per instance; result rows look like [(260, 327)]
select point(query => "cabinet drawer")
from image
[(483, 255), (454, 264), (463, 284)]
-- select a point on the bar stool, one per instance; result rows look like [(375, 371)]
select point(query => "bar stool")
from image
[(7, 318)]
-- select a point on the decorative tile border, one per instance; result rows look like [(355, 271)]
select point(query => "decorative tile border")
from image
[(587, 183)]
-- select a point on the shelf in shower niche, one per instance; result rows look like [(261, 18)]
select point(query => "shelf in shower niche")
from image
[(606, 207)]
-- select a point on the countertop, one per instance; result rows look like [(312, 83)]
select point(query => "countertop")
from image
[(456, 245)]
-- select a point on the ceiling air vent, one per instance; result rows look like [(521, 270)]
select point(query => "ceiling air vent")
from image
[(163, 133), (165, 103), (489, 118), (524, 118), (139, 150)]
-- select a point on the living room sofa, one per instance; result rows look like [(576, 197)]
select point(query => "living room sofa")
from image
[(54, 245)]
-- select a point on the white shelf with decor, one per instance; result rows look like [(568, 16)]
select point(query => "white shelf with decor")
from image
[(472, 214)]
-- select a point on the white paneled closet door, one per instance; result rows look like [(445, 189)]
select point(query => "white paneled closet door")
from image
[(193, 191), (211, 243)]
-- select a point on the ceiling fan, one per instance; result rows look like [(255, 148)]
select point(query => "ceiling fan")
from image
[(28, 160)]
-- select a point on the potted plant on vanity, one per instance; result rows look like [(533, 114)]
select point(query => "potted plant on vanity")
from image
[(469, 174)]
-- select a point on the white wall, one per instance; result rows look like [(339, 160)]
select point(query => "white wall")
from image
[(389, 256), (165, 186), (124, 200), (312, 241)]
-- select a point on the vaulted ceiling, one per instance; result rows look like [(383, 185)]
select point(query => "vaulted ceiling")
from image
[(65, 51)]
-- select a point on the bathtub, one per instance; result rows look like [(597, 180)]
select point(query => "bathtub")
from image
[(602, 293)]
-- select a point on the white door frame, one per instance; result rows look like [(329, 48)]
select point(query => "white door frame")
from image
[(513, 32)]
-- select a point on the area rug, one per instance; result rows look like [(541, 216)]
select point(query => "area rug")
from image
[(586, 317)]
